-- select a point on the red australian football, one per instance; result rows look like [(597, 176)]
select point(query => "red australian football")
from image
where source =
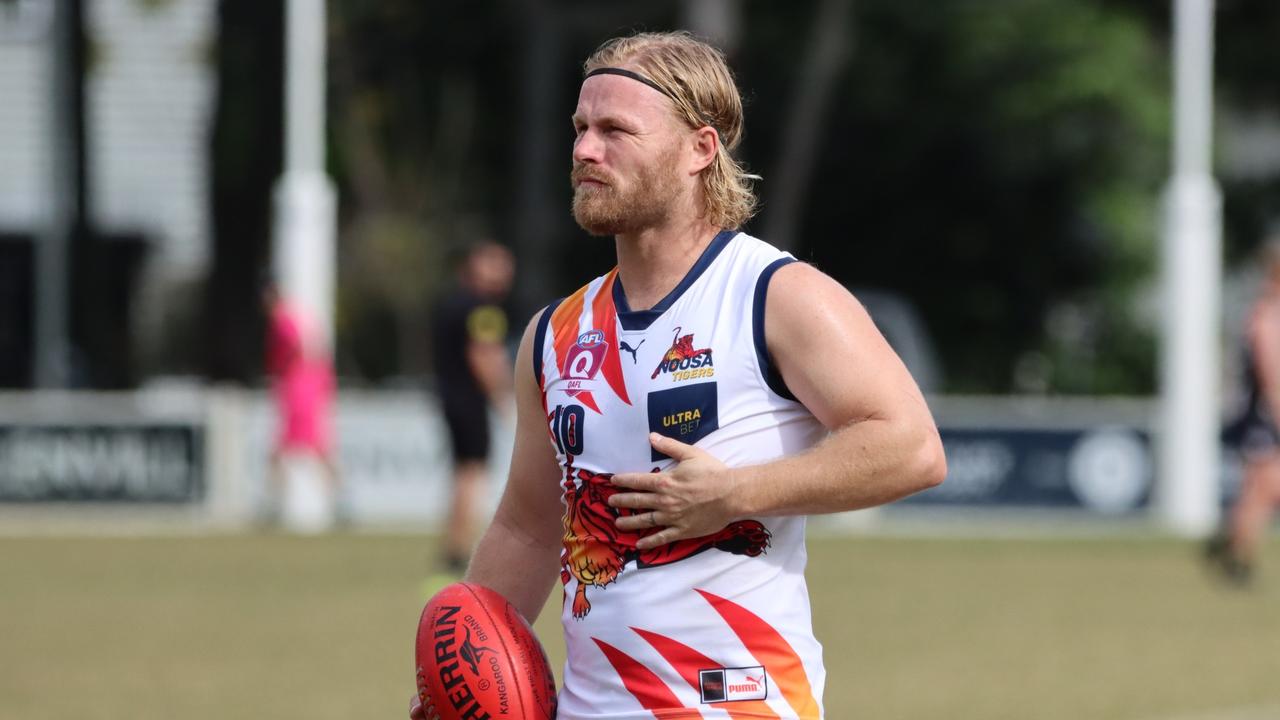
[(478, 659)]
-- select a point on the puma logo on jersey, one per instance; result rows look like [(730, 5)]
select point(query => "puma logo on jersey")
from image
[(733, 684), (631, 350)]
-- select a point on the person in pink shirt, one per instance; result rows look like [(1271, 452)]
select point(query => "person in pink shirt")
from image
[(303, 387)]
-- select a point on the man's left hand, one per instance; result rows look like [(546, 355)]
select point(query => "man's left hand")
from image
[(691, 499)]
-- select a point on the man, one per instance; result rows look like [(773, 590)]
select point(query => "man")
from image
[(1235, 551), (670, 496), (473, 373)]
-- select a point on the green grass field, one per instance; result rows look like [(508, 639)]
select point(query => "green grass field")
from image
[(322, 628)]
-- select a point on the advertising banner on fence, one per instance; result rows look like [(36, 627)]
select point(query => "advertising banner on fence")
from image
[(151, 463), (1104, 469)]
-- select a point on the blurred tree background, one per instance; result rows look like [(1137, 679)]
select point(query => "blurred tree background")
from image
[(998, 164)]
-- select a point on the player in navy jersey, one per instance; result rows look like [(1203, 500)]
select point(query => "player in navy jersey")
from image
[(665, 484)]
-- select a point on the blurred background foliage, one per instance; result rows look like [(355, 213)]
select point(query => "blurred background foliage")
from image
[(997, 164)]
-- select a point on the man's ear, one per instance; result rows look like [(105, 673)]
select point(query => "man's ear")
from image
[(706, 143)]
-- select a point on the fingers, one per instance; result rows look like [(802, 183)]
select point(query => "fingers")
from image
[(653, 520), (669, 535), (648, 500), (415, 709), (652, 481), (672, 448), (652, 496), (644, 482), (642, 521)]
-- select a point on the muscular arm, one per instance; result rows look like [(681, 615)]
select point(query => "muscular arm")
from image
[(883, 443), (518, 556)]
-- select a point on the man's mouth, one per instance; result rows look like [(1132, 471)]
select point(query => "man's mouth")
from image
[(581, 179)]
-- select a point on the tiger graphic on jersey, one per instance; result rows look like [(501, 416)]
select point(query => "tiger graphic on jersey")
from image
[(596, 551)]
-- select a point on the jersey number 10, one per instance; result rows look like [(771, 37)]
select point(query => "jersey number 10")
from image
[(566, 428)]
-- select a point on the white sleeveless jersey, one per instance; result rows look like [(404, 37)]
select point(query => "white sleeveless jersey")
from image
[(713, 627)]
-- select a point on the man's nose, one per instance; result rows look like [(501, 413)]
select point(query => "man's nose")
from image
[(587, 147)]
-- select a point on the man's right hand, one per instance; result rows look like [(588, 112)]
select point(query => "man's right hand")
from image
[(416, 711)]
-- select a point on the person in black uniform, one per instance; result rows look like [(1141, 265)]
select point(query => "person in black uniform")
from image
[(473, 374), (1255, 434)]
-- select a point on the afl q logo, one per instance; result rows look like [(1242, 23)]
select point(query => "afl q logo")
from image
[(1109, 470), (586, 355)]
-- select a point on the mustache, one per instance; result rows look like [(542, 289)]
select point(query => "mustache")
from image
[(582, 172)]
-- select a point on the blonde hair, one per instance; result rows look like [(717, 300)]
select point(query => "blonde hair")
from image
[(694, 75)]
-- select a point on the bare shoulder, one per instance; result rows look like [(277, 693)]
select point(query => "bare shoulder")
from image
[(799, 275), (802, 299), (829, 352), (525, 351), (805, 279)]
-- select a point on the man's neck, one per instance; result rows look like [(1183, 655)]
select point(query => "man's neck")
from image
[(652, 262)]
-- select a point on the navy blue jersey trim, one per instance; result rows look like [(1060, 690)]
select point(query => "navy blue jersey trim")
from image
[(540, 337), (642, 319), (772, 377)]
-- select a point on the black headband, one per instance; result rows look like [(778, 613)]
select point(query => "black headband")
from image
[(640, 78), (629, 74)]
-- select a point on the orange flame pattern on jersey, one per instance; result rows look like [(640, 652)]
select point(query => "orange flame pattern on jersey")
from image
[(688, 661), (565, 331), (759, 638)]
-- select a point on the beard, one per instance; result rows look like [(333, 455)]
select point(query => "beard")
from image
[(604, 210)]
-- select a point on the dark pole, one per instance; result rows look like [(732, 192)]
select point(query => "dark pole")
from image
[(67, 197), (829, 50), (533, 238)]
